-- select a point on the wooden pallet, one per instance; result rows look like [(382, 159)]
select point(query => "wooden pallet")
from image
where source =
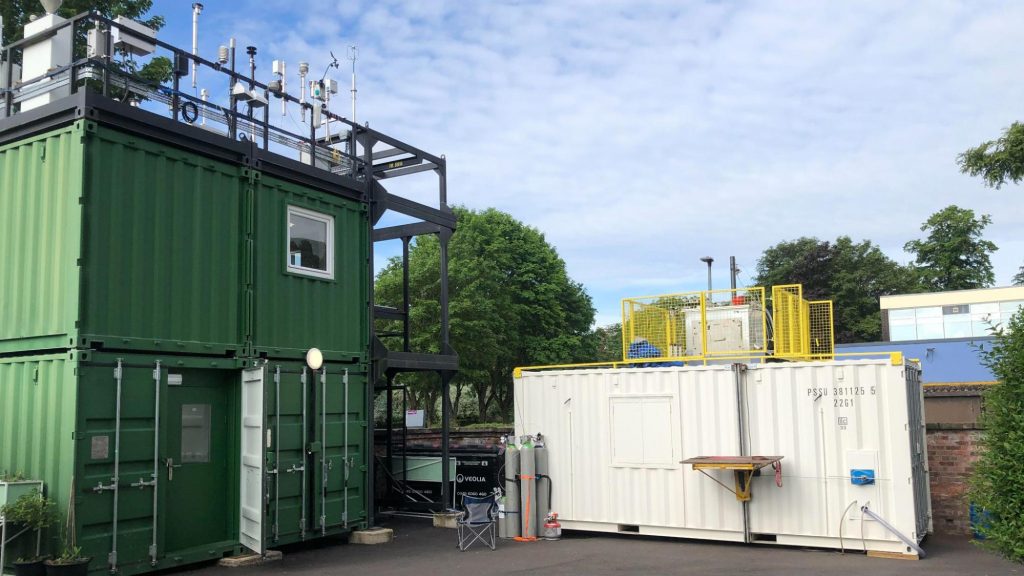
[(892, 555)]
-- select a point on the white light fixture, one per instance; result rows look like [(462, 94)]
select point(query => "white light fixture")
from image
[(314, 358)]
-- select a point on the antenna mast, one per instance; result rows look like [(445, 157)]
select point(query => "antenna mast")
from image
[(353, 54)]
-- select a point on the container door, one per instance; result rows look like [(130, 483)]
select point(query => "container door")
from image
[(250, 525), (197, 463), (290, 422), (918, 451)]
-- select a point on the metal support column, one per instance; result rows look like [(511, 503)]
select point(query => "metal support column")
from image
[(739, 371)]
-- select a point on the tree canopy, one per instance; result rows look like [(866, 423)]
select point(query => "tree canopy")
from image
[(997, 161), (16, 13), (1018, 278), (852, 274), (954, 256), (511, 304)]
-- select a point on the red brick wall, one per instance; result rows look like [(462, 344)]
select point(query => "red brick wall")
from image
[(951, 456)]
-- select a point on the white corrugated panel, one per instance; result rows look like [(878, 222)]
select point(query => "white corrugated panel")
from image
[(616, 438)]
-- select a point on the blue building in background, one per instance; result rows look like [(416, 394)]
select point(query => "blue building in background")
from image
[(949, 361)]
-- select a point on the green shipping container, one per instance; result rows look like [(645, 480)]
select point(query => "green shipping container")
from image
[(113, 241), (193, 458)]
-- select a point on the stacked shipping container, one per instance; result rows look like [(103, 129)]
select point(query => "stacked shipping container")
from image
[(155, 307)]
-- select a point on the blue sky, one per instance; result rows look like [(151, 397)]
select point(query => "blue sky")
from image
[(639, 136)]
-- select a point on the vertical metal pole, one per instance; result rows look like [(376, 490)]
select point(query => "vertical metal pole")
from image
[(443, 184), (738, 371), (445, 236), (390, 420), (312, 139), (156, 458), (277, 452), (112, 557), (305, 448), (9, 84), (108, 42), (233, 117), (445, 423), (348, 465), (405, 441), (733, 271), (405, 293), (3, 541), (323, 450), (176, 84)]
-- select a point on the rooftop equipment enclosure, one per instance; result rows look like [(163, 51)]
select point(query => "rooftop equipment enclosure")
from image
[(850, 433)]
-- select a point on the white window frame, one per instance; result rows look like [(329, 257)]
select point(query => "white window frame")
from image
[(312, 215)]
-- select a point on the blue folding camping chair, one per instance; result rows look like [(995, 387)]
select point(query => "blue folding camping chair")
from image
[(478, 521)]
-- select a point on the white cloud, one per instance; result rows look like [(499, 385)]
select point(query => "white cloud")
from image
[(640, 136)]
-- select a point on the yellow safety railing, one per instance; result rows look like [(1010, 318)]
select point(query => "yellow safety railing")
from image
[(691, 326), (725, 325), (894, 357), (803, 330)]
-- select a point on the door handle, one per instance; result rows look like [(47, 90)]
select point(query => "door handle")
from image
[(169, 463)]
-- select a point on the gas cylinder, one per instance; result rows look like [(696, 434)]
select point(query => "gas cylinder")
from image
[(511, 523), (552, 529), (540, 457), (528, 489)]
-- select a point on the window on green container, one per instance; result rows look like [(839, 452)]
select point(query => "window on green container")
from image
[(310, 243)]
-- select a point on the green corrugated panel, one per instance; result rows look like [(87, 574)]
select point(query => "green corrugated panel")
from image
[(37, 419), (286, 498), (294, 312), (163, 248), (40, 223), (94, 454)]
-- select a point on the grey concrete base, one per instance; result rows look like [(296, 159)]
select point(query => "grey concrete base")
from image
[(372, 536), (251, 559), (446, 520)]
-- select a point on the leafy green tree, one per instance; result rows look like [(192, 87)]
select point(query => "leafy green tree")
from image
[(954, 256), (997, 484), (1018, 278), (607, 343), (511, 304), (16, 14), (997, 161), (851, 274)]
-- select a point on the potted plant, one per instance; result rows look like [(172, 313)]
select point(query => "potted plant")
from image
[(69, 563), (36, 512)]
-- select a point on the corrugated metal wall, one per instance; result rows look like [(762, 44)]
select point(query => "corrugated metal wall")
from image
[(40, 223), (163, 248), (828, 419), (37, 420), (575, 412), (293, 312), (615, 439), (286, 520)]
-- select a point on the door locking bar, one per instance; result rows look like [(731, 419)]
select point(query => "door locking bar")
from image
[(156, 459)]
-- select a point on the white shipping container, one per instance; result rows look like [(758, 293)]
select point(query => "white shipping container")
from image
[(616, 439)]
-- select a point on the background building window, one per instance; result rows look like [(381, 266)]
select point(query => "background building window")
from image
[(902, 324), (310, 243)]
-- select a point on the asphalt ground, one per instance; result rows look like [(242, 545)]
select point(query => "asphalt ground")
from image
[(419, 549)]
